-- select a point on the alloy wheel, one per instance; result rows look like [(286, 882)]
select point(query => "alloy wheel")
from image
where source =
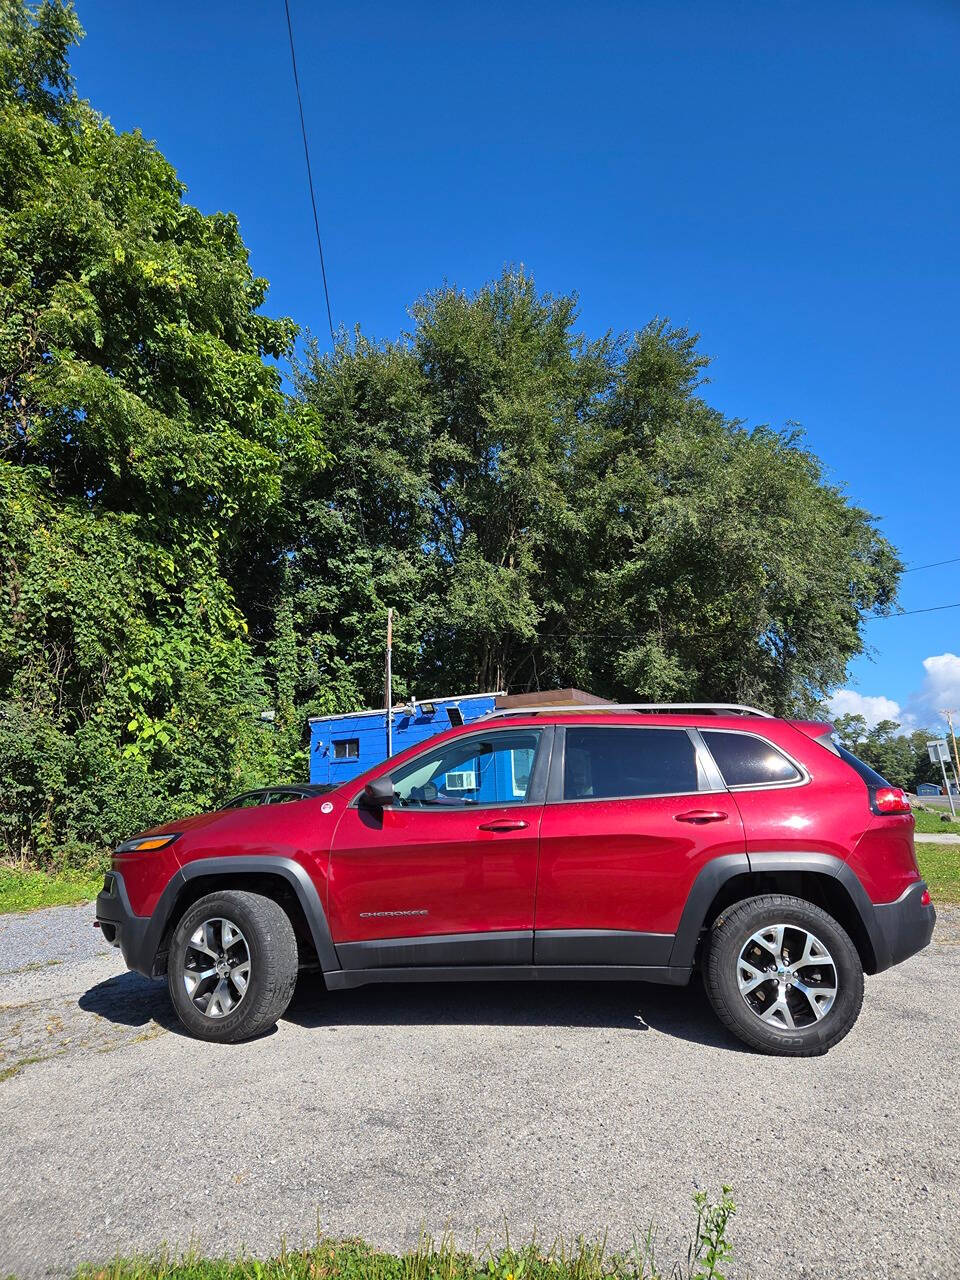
[(216, 967), (787, 977)]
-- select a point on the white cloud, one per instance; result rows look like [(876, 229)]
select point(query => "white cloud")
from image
[(847, 702), (940, 689)]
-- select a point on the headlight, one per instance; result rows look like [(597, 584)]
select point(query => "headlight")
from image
[(140, 844)]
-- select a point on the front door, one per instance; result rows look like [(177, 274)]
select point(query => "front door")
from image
[(446, 875), (630, 819)]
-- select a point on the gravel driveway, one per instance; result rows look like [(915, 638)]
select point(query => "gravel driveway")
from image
[(378, 1111)]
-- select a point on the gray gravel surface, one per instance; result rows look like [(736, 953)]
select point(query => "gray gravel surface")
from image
[(380, 1111)]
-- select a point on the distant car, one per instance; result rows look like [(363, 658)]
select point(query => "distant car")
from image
[(277, 795), (635, 842)]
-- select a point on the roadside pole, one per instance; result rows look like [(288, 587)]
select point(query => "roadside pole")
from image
[(939, 751), (388, 682), (949, 713)]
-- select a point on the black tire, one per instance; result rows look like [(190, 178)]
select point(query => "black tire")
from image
[(730, 935), (271, 945)]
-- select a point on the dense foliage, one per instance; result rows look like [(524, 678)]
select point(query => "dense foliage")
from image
[(146, 452), (545, 510), (901, 758), (183, 546)]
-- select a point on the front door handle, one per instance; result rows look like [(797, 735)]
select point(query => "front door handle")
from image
[(701, 815), (503, 824)]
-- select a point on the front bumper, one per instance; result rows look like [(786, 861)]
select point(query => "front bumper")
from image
[(122, 928), (903, 927)]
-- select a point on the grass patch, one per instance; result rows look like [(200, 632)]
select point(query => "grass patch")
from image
[(22, 889), (940, 867), (931, 823), (706, 1258)]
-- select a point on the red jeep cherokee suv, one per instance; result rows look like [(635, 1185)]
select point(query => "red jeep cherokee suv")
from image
[(642, 842)]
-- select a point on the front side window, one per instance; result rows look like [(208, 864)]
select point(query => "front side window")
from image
[(606, 763), (746, 761), (493, 768)]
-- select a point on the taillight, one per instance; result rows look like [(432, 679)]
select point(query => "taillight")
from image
[(925, 899), (889, 800)]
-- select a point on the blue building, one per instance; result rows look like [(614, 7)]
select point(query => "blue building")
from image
[(342, 746), (929, 789)]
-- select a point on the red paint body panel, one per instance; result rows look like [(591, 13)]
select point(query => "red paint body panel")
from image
[(435, 862), (583, 864), (827, 813), (146, 875), (627, 864), (885, 860), (299, 830)]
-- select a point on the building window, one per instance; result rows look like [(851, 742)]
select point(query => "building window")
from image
[(347, 749)]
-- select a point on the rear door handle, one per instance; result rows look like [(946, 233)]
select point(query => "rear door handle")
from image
[(502, 824), (701, 815)]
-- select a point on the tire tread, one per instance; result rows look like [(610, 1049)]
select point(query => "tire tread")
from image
[(725, 925), (273, 982)]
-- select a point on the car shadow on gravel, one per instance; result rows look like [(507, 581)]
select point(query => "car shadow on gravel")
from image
[(131, 1001), (680, 1012)]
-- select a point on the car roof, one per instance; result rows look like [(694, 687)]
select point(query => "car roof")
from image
[(704, 718)]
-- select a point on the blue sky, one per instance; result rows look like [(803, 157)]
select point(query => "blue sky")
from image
[(779, 175)]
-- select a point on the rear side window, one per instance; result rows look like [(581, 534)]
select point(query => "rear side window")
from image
[(746, 761), (870, 776), (607, 764)]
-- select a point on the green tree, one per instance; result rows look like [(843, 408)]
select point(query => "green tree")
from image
[(901, 758), (544, 510), (147, 451)]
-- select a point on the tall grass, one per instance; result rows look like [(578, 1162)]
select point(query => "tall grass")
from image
[(709, 1250)]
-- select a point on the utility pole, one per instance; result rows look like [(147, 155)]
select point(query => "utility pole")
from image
[(388, 683), (948, 715)]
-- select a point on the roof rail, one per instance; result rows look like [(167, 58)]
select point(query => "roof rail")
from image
[(678, 708)]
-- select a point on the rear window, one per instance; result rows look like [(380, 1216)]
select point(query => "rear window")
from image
[(608, 764), (870, 776), (746, 761)]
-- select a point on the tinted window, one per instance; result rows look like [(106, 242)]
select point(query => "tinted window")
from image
[(249, 800), (481, 769), (346, 749), (746, 761), (611, 763), (870, 776)]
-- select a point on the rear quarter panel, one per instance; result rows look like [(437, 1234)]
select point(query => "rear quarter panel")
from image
[(826, 813), (830, 813)]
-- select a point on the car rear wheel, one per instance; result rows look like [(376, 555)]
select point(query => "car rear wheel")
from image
[(232, 965), (783, 975)]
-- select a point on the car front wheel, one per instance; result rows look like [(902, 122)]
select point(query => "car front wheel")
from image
[(232, 965), (783, 975)]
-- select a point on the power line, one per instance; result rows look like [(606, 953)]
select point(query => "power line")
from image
[(306, 153), (933, 608), (915, 568)]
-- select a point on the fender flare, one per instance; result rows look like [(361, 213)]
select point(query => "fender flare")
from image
[(715, 874), (287, 869)]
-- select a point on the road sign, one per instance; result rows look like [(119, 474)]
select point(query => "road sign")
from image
[(941, 756)]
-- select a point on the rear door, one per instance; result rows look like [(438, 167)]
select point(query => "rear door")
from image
[(632, 815), (447, 874)]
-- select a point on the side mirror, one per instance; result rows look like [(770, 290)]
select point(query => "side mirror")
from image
[(378, 794)]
